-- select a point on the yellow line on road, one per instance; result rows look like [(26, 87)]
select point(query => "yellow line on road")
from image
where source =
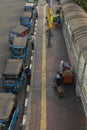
[(43, 95)]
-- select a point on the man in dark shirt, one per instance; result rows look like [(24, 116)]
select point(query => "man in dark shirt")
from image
[(58, 79), (28, 73)]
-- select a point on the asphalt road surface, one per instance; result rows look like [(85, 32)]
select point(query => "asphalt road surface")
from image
[(10, 12)]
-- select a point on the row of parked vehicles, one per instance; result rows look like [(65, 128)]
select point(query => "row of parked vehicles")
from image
[(13, 76)]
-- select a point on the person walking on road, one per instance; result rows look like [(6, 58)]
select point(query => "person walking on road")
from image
[(47, 24), (37, 12), (28, 74), (58, 79)]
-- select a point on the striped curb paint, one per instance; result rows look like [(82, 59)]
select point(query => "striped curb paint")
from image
[(28, 86)]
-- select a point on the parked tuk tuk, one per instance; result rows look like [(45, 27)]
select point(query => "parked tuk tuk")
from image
[(18, 31), (33, 1), (13, 76), (29, 7), (26, 19), (9, 111), (21, 48)]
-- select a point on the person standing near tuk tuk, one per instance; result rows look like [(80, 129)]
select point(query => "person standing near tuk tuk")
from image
[(27, 72), (58, 79), (37, 12), (32, 40), (59, 84)]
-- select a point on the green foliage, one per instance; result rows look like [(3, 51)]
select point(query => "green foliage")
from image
[(82, 3)]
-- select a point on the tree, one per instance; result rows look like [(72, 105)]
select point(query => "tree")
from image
[(82, 3)]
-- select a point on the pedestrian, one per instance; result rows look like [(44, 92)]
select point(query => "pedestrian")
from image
[(66, 66), (59, 21), (59, 84), (58, 79), (58, 2), (32, 40), (27, 72), (37, 12), (33, 8), (58, 11), (47, 23)]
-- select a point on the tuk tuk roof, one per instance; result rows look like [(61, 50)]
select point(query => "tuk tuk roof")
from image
[(6, 106), (19, 41), (8, 96), (29, 4), (27, 14), (19, 29), (13, 67)]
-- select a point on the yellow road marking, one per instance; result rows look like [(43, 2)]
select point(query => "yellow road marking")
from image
[(43, 96)]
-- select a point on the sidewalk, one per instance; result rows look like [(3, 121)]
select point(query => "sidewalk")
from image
[(61, 114)]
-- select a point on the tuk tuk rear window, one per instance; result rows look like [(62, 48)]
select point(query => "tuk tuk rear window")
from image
[(9, 77), (10, 80), (18, 51)]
